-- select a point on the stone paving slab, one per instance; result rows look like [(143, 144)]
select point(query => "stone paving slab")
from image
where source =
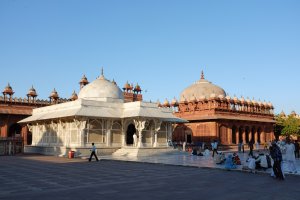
[(45, 177)]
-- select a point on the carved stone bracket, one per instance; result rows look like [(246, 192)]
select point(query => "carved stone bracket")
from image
[(139, 126)]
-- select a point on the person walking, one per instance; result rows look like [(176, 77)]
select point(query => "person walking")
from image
[(250, 144), (93, 153), (214, 146), (290, 156), (276, 155)]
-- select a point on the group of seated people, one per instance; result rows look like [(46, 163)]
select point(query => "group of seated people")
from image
[(259, 161)]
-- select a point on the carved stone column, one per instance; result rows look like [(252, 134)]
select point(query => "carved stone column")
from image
[(108, 132), (244, 136), (237, 138), (262, 137), (157, 124), (139, 126)]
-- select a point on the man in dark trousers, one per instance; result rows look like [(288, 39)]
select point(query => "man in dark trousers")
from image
[(250, 144), (93, 153), (276, 155)]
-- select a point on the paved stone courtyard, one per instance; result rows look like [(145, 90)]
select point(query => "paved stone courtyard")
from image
[(48, 177)]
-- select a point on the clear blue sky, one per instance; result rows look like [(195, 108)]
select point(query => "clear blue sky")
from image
[(249, 48)]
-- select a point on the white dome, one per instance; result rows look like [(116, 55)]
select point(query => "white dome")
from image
[(200, 89), (101, 89)]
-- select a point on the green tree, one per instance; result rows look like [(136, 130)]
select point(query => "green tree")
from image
[(291, 126), (280, 120)]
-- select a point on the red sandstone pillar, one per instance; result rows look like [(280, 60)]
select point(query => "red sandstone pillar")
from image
[(237, 136), (24, 134)]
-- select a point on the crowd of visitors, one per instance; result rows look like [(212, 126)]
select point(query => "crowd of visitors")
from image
[(270, 156)]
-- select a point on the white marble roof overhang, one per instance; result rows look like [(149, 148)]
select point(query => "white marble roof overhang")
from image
[(115, 110)]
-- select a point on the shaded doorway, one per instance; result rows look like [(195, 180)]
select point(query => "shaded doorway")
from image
[(129, 134), (233, 135), (14, 130), (29, 138), (189, 139)]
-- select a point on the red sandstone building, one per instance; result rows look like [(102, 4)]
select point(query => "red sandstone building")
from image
[(214, 115)]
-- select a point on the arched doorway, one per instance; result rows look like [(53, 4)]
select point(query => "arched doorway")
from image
[(129, 134), (14, 130), (29, 138)]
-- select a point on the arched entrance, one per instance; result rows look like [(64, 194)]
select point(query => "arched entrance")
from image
[(29, 138), (14, 130), (129, 134)]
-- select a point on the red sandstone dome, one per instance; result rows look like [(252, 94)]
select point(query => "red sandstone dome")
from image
[(32, 92), (201, 89), (8, 90)]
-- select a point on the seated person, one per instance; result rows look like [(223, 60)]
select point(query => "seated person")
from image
[(194, 152), (206, 152), (229, 163), (236, 159), (219, 158), (261, 162)]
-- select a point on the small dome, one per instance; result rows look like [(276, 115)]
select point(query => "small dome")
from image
[(101, 89), (84, 80), (126, 86), (8, 90), (137, 88), (202, 88), (54, 94), (32, 92), (166, 103), (174, 102), (74, 96)]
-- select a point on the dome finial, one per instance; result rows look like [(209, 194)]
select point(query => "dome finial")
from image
[(102, 74), (202, 75)]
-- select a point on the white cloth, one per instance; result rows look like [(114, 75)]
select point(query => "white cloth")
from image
[(206, 153), (251, 164), (263, 161), (290, 157), (290, 152)]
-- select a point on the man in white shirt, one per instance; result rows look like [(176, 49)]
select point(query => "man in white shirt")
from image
[(93, 153)]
